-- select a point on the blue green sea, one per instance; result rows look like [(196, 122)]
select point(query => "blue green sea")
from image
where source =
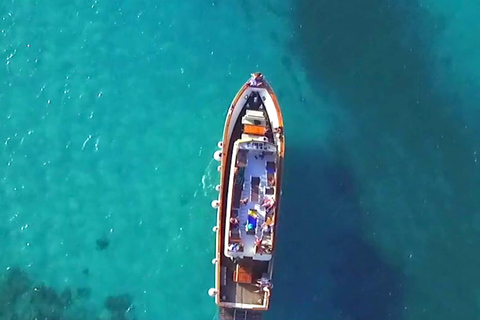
[(110, 112)]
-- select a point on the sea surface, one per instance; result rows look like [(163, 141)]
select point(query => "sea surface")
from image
[(110, 112)]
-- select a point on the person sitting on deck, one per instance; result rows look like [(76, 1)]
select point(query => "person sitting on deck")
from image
[(244, 201), (269, 134), (271, 180), (234, 223), (278, 130), (264, 284), (256, 79), (266, 228), (235, 247), (268, 203)]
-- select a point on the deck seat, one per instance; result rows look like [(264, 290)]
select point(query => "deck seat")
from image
[(235, 236), (254, 130), (242, 158), (255, 189)]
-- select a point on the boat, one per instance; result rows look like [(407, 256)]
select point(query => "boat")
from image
[(251, 156)]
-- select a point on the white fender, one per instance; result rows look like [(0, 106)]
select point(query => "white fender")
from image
[(220, 144), (215, 204), (214, 261), (215, 229), (212, 292), (217, 187), (217, 155), (219, 168)]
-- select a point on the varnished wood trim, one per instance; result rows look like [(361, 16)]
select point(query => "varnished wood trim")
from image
[(224, 187)]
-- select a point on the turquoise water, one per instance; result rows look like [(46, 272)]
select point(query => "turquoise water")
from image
[(111, 111)]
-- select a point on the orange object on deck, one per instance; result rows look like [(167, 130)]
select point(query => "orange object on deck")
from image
[(270, 221), (251, 129), (242, 275)]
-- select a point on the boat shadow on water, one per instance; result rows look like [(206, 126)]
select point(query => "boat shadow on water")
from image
[(379, 62), (324, 269)]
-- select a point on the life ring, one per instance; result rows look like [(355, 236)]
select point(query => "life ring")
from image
[(217, 155), (215, 204)]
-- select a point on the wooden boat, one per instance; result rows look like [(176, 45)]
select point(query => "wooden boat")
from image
[(251, 156)]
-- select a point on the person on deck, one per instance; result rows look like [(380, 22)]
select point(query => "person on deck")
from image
[(268, 203), (271, 181), (234, 222), (278, 130), (265, 227), (256, 79), (264, 284)]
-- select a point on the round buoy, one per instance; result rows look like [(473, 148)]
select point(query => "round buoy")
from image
[(215, 204), (217, 155), (220, 144), (215, 229), (217, 187), (219, 168), (212, 292), (214, 261)]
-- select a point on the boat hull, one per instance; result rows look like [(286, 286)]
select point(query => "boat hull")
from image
[(244, 299)]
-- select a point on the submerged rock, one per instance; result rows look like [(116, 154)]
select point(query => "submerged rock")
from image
[(84, 292), (120, 303), (46, 303), (20, 299), (66, 297), (119, 306), (17, 283), (102, 243)]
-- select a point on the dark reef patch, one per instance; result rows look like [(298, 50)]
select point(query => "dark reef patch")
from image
[(102, 243), (119, 306), (84, 292), (23, 299)]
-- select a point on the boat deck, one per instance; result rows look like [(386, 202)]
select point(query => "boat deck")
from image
[(255, 169), (247, 293), (239, 314), (253, 185), (251, 178), (238, 276)]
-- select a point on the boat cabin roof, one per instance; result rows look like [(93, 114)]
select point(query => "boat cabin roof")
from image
[(250, 212)]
